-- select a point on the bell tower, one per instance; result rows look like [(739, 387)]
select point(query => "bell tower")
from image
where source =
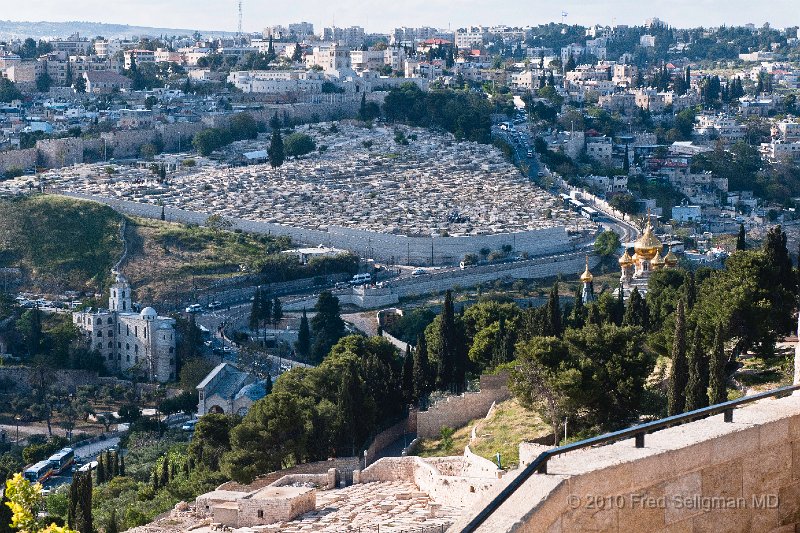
[(119, 299)]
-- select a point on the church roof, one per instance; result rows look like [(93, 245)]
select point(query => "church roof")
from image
[(225, 380), (587, 277)]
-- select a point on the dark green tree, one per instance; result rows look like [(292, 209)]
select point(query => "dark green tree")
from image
[(691, 290), (678, 375), (696, 392), (100, 472), (451, 369), (407, 376), (164, 476), (275, 150), (741, 243), (5, 515), (79, 514), (303, 344), (421, 370), (277, 311), (717, 392), (553, 323), (327, 326), (111, 524), (636, 313)]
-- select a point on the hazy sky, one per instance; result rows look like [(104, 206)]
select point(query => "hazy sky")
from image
[(385, 15)]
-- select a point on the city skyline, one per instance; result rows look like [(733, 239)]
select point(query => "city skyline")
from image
[(217, 16)]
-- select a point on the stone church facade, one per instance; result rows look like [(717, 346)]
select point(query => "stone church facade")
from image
[(127, 339)]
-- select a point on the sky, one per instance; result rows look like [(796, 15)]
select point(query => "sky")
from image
[(374, 16)]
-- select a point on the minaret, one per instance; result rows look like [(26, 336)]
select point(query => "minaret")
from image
[(587, 295)]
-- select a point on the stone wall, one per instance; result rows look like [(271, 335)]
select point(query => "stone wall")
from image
[(54, 153), (345, 466), (455, 411), (388, 436), (18, 159), (707, 475)]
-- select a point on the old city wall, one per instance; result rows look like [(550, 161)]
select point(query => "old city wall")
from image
[(707, 475), (378, 245), (455, 411), (18, 159)]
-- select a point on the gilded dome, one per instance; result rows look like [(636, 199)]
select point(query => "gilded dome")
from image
[(657, 262), (648, 244), (626, 259), (671, 260), (587, 277)]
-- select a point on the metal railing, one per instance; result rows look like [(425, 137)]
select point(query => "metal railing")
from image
[(638, 432)]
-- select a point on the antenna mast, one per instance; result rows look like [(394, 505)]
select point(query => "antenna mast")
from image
[(239, 29)]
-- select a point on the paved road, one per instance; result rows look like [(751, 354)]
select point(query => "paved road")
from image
[(83, 454)]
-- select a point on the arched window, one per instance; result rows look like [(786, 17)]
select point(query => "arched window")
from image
[(136, 348), (99, 333), (127, 346), (99, 320), (110, 345), (110, 320)]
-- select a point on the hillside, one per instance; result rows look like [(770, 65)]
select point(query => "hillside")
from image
[(10, 29), (59, 243)]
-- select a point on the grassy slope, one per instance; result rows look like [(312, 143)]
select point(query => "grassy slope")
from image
[(60, 242), (509, 425), (167, 257)]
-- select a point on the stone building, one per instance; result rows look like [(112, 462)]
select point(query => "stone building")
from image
[(226, 390), (127, 339)]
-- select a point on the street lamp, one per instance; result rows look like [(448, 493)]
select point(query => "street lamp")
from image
[(17, 418)]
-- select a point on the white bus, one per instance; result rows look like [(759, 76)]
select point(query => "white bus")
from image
[(38, 472)]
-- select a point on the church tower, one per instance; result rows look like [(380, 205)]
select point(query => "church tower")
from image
[(119, 299), (587, 295)]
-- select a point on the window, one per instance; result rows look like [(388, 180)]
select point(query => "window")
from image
[(137, 359), (136, 348), (127, 346), (110, 345), (127, 330), (110, 357), (99, 320), (171, 349), (135, 331), (260, 513), (119, 345), (128, 358), (99, 333), (110, 320)]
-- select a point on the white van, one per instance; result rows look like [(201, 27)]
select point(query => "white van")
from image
[(361, 279)]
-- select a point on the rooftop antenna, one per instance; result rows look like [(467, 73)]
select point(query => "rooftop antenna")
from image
[(239, 29)]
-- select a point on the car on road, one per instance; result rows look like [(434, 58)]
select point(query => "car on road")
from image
[(215, 304), (189, 426), (419, 272), (194, 308), (341, 285)]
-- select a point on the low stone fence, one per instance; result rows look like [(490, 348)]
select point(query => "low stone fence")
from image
[(324, 481), (345, 466)]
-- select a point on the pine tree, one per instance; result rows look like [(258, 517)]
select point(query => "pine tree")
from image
[(717, 392), (678, 375), (275, 151), (741, 243), (303, 345), (421, 382)]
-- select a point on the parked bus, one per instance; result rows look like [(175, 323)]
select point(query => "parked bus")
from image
[(590, 213), (38, 472), (62, 460)]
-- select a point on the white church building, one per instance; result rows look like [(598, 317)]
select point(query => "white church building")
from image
[(127, 339)]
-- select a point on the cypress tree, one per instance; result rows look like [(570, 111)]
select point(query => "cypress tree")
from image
[(554, 312), (691, 290), (697, 384), (265, 309), (678, 374), (101, 470), (111, 524), (741, 244), (277, 311), (619, 310), (447, 340), (577, 318), (164, 479), (109, 466), (255, 311), (116, 464), (349, 408), (303, 345), (594, 315), (155, 479), (121, 465), (717, 390), (163, 213), (172, 471), (421, 370), (79, 513), (407, 375), (276, 152), (5, 515), (636, 311)]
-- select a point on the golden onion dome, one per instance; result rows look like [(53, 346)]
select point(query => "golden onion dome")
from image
[(648, 244), (626, 259), (657, 262), (587, 277), (671, 260)]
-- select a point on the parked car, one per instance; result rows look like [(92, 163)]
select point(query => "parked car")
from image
[(419, 272), (215, 304), (189, 426), (194, 308)]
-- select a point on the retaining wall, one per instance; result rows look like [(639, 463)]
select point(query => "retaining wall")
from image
[(455, 411)]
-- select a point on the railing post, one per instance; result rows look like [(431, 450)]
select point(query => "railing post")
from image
[(728, 415), (640, 440), (542, 468)]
